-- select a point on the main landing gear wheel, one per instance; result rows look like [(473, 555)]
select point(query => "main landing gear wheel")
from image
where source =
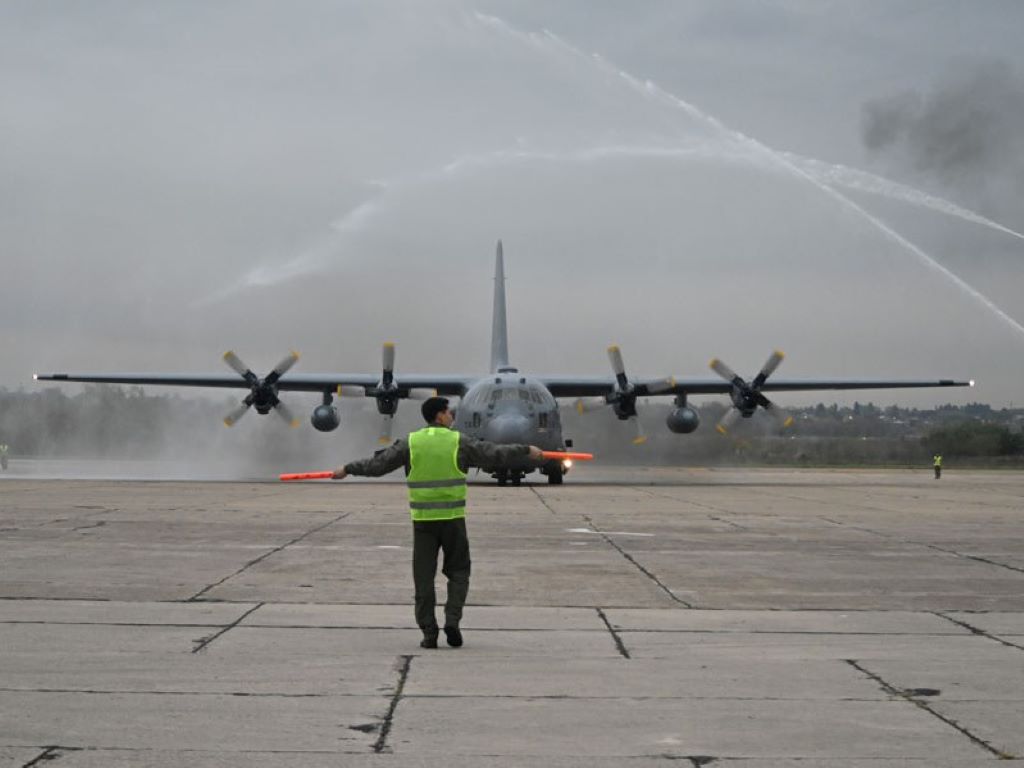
[(502, 477), (555, 474)]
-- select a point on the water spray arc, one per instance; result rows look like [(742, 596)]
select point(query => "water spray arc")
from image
[(650, 90)]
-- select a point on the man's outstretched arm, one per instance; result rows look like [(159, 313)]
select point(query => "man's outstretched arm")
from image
[(481, 453), (387, 460)]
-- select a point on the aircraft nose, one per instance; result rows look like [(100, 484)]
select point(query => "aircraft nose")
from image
[(509, 428)]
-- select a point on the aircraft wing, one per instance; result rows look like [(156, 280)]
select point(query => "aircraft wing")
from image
[(561, 386), (297, 382)]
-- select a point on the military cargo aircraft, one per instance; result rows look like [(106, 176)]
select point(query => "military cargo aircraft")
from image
[(505, 406)]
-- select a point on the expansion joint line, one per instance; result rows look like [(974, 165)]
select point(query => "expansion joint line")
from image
[(265, 555), (892, 691), (639, 567), (380, 745), (615, 635), (202, 644), (977, 631)]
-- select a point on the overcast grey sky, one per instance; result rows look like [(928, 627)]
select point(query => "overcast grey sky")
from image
[(178, 179)]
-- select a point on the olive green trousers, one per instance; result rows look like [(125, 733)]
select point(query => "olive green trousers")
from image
[(448, 536)]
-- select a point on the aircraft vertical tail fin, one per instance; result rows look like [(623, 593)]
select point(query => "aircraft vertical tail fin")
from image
[(499, 324)]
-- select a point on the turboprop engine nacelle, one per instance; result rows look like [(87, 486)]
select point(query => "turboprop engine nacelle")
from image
[(325, 418), (682, 420)]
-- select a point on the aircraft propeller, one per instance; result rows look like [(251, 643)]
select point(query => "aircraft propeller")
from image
[(387, 393), (746, 397), (262, 392), (623, 397)]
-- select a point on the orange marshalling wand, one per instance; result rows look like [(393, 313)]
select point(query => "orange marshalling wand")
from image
[(308, 476), (567, 455), (328, 475)]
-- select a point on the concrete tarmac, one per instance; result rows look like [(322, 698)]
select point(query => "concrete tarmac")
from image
[(636, 617)]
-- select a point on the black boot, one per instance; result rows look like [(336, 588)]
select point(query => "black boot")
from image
[(454, 636), (429, 639)]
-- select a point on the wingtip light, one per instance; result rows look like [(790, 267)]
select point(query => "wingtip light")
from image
[(971, 383)]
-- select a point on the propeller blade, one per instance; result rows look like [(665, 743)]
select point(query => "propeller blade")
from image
[(348, 390), (660, 385), (421, 393), (723, 370), (587, 404), (235, 415), (784, 417), (387, 355), (727, 421), (285, 413), (768, 368), (639, 438), (387, 421), (282, 367), (615, 357), (236, 364)]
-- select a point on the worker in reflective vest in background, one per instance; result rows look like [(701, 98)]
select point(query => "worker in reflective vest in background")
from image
[(937, 464), (436, 459)]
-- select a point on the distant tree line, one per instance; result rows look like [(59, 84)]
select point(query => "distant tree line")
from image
[(103, 421)]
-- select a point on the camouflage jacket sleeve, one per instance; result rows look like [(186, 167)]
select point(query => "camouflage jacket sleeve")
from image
[(481, 453), (383, 461)]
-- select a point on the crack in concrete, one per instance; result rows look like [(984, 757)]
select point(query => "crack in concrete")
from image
[(98, 524), (615, 635), (639, 567), (265, 555), (924, 544), (977, 558), (542, 500), (730, 522), (621, 551), (380, 745), (202, 643), (978, 631), (48, 753), (893, 691)]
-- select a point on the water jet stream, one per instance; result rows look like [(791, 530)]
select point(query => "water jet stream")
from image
[(652, 91)]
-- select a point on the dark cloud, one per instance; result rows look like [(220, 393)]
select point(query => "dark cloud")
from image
[(965, 133)]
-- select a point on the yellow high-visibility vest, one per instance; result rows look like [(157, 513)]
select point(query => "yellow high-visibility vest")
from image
[(437, 487)]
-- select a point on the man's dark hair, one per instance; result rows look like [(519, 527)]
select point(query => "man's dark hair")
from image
[(433, 406)]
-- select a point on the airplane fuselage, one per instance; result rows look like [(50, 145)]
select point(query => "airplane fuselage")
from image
[(509, 407)]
